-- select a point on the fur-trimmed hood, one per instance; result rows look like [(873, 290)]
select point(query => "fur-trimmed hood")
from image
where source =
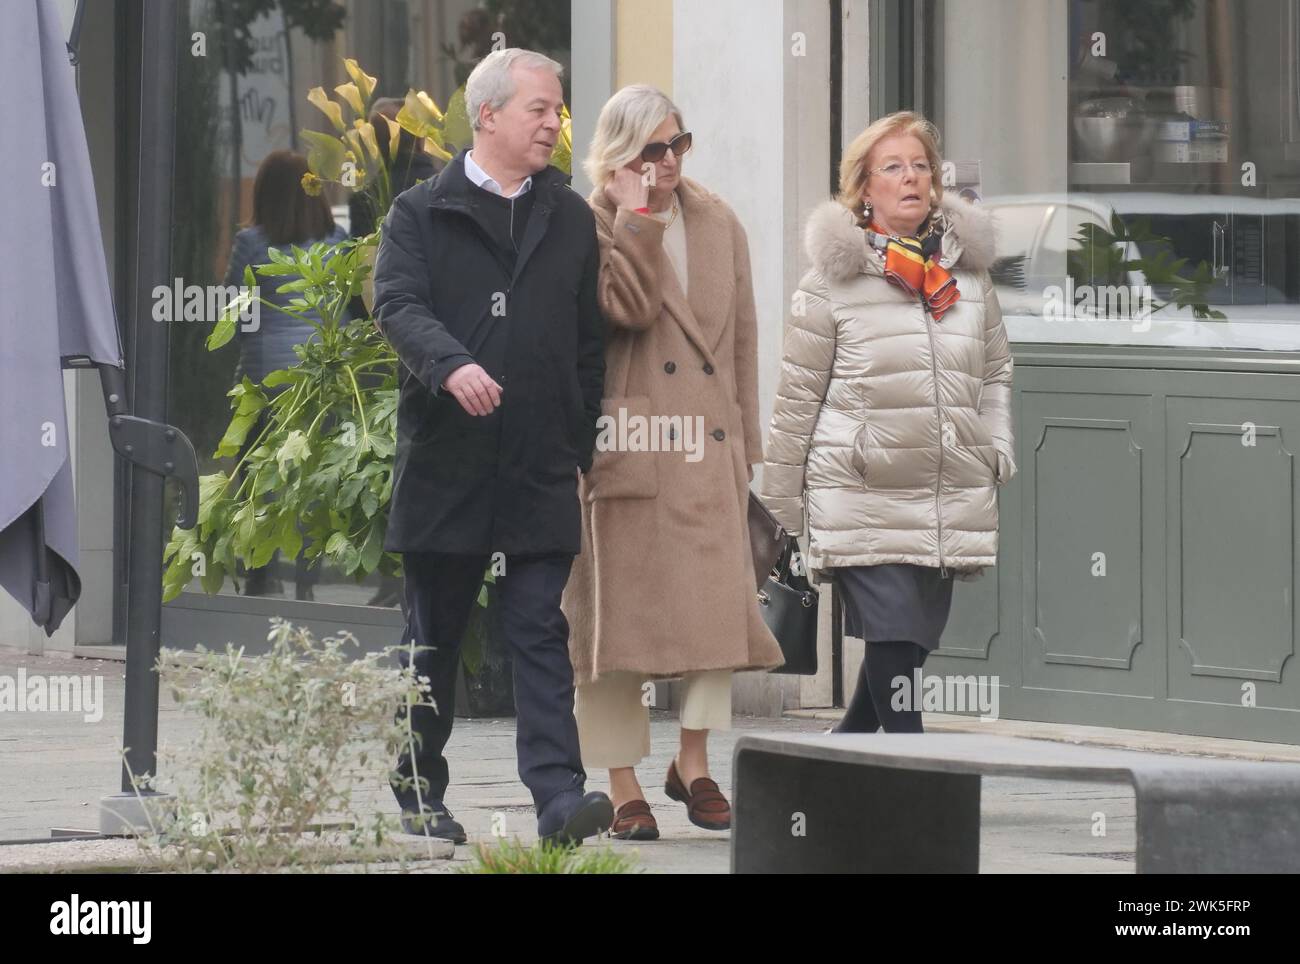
[(838, 247)]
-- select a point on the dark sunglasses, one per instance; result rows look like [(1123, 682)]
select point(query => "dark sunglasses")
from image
[(679, 145)]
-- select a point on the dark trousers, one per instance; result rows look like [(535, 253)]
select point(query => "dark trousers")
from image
[(871, 707), (440, 591)]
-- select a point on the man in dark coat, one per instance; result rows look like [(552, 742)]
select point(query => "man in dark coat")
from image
[(485, 285)]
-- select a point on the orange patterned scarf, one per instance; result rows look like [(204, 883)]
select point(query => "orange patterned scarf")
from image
[(910, 264)]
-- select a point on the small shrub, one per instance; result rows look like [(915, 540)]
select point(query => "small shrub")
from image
[(512, 857), (286, 739)]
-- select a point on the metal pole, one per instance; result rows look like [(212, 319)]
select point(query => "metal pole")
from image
[(148, 374), (837, 647)]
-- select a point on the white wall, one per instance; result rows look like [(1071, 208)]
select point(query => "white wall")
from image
[(592, 32), (760, 114)]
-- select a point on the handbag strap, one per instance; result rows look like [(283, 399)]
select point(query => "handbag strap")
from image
[(782, 567), (756, 505)]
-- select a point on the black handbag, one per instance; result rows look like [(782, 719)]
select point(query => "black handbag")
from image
[(766, 539), (788, 603)]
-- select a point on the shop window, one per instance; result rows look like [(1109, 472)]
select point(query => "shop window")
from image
[(1167, 128)]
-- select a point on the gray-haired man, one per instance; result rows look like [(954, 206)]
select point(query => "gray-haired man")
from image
[(486, 286)]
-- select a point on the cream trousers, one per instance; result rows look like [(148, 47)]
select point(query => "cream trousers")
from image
[(613, 714)]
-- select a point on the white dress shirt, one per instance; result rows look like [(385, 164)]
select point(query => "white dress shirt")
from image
[(488, 183)]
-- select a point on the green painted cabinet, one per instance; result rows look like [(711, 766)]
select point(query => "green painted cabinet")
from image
[(1147, 567)]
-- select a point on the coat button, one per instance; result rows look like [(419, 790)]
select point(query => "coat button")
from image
[(708, 369), (719, 434), (670, 367)]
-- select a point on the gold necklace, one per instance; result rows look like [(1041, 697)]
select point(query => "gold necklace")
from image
[(669, 222)]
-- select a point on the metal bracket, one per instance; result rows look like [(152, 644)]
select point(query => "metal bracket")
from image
[(158, 448)]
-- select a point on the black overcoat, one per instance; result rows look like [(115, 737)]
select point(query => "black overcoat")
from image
[(444, 296)]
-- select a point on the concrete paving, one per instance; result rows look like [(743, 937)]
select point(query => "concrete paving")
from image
[(55, 766)]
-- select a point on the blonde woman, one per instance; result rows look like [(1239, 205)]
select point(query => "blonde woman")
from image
[(664, 585), (892, 423)]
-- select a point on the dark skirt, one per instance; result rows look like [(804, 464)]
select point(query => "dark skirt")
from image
[(897, 601)]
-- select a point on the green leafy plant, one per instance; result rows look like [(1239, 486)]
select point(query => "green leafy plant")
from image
[(286, 738), (512, 857), (1100, 259), (317, 475)]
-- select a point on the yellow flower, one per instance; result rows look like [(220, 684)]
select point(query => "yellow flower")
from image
[(353, 97), (394, 138), (364, 82), (367, 132), (427, 103), (432, 148), (562, 156), (316, 96), (419, 114), (311, 184)]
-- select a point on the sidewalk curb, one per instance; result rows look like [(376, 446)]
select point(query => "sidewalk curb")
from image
[(1142, 741)]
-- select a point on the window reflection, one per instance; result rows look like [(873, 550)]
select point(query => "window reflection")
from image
[(1171, 126)]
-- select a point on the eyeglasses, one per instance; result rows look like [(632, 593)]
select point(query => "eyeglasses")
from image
[(894, 169), (679, 145)]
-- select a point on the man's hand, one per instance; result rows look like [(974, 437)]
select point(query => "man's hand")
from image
[(628, 190), (470, 385)]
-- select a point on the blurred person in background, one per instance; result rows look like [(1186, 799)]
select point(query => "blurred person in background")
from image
[(283, 215)]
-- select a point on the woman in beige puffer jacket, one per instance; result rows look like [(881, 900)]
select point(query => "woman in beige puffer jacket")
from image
[(892, 422)]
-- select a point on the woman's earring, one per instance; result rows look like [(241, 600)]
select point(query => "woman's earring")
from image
[(866, 208)]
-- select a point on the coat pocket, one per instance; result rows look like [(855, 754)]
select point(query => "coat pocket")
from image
[(859, 454), (623, 468), (984, 448), (434, 419)]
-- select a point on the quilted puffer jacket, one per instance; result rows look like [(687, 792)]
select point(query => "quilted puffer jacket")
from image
[(891, 429)]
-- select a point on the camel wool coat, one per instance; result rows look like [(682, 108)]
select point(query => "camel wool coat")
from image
[(891, 428), (664, 584)]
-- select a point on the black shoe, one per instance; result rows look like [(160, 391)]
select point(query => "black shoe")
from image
[(568, 818), (438, 822)]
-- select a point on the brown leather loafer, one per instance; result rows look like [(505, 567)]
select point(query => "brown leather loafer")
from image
[(634, 821), (705, 805)]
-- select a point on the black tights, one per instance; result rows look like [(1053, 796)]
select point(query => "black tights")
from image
[(870, 707)]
